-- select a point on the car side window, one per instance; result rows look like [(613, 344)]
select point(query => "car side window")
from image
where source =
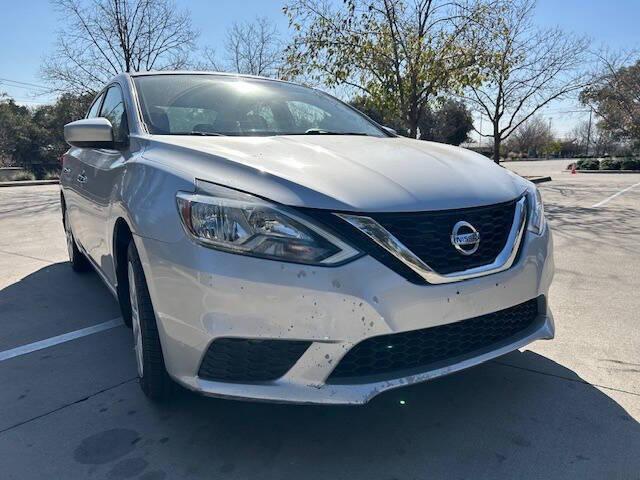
[(95, 107), (114, 111)]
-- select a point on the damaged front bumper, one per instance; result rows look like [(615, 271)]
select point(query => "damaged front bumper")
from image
[(200, 295)]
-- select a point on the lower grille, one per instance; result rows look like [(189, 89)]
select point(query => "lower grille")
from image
[(417, 349), (248, 360)]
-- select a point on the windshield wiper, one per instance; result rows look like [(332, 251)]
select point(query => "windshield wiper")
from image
[(321, 131), (207, 134)]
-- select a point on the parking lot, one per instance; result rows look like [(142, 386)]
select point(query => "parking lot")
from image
[(567, 408)]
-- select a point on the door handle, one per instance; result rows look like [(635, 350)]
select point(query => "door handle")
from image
[(81, 178), (66, 170)]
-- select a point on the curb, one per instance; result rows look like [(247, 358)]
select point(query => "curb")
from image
[(604, 171), (538, 179), (29, 183)]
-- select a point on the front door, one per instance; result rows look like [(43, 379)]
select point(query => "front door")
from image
[(102, 167), (73, 178)]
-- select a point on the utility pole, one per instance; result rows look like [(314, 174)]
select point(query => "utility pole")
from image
[(549, 134), (589, 131), (480, 132)]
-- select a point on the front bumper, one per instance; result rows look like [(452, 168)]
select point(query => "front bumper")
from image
[(201, 294)]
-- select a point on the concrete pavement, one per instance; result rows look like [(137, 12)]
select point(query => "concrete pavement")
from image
[(568, 408)]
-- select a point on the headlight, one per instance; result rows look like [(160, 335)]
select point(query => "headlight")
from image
[(536, 211), (236, 222)]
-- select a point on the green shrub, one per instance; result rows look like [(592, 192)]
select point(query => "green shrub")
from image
[(588, 164), (51, 175), (610, 164), (24, 176), (630, 164)]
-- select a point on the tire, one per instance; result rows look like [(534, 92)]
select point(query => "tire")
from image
[(154, 379), (79, 262), (124, 298)]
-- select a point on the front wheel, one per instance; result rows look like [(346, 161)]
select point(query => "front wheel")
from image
[(154, 379)]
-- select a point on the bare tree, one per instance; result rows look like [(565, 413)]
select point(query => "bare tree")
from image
[(102, 38), (531, 137), (252, 48), (210, 61), (600, 141), (531, 67)]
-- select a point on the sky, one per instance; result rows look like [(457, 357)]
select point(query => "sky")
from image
[(28, 30)]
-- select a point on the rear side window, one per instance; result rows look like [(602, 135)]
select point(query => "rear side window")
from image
[(114, 111), (95, 107)]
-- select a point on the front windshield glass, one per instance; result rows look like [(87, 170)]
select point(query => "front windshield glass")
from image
[(221, 105)]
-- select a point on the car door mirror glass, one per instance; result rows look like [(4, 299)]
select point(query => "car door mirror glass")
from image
[(89, 133), (113, 109)]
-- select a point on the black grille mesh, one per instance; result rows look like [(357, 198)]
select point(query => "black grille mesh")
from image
[(246, 360), (419, 348), (428, 234)]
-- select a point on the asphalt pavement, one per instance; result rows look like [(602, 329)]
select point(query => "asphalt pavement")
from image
[(566, 408)]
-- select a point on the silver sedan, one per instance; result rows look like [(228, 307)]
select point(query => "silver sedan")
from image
[(267, 241)]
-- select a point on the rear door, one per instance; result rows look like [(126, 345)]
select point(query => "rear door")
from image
[(103, 168)]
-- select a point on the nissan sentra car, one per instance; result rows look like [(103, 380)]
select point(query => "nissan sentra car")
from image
[(267, 241)]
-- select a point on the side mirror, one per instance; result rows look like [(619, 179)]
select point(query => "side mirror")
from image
[(89, 133), (390, 130)]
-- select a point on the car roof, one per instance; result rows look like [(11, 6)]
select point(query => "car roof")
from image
[(203, 72)]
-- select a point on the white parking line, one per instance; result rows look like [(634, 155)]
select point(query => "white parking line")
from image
[(65, 337), (608, 199)]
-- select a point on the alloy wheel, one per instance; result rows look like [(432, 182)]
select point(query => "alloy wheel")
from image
[(135, 321)]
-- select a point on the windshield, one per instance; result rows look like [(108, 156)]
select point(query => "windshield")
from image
[(221, 105)]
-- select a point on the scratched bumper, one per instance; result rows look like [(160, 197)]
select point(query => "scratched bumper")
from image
[(201, 294)]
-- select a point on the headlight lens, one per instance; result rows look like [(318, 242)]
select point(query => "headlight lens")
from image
[(536, 211), (237, 222)]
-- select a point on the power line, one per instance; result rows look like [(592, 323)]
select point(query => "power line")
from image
[(18, 101), (23, 85), (546, 112), (31, 90)]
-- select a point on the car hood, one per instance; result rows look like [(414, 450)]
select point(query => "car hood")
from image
[(349, 173)]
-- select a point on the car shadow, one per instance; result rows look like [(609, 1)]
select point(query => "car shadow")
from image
[(503, 419), (51, 301), (522, 416), (586, 226)]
